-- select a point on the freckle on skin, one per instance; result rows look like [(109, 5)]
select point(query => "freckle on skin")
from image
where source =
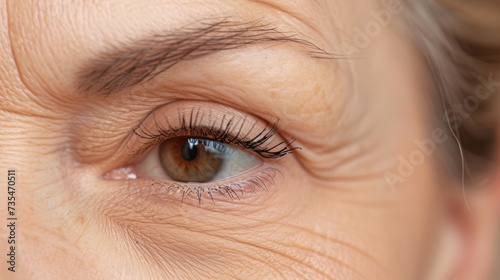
[(80, 219)]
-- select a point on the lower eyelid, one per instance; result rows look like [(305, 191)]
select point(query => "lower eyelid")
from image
[(233, 190)]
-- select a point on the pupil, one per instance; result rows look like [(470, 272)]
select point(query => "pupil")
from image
[(190, 150)]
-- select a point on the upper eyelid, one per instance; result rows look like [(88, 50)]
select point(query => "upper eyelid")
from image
[(257, 143), (224, 130)]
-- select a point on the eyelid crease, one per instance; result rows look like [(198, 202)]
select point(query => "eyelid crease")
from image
[(226, 131)]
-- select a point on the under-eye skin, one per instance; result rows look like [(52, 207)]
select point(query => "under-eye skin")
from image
[(205, 153)]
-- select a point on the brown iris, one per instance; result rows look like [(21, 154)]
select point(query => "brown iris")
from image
[(188, 160)]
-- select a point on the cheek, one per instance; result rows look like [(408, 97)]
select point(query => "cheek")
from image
[(385, 233), (293, 231)]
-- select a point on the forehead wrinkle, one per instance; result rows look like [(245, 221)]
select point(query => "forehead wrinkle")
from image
[(294, 14)]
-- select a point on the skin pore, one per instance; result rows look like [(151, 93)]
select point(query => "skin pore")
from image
[(79, 77)]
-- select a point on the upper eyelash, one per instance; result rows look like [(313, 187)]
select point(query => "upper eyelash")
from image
[(213, 144), (191, 127)]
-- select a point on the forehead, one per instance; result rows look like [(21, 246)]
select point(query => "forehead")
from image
[(60, 35)]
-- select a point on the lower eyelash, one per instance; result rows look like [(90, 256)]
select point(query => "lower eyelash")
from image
[(263, 180)]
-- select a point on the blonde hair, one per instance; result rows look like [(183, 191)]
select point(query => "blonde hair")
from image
[(461, 42)]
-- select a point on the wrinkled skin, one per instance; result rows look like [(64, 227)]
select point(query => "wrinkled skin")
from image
[(331, 213)]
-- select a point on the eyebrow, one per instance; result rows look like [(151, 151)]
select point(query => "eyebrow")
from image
[(141, 60)]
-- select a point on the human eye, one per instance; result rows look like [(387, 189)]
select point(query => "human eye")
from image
[(195, 151), (195, 160)]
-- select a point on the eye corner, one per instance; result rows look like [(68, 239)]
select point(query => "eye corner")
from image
[(121, 173)]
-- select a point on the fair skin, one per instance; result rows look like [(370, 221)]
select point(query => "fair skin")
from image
[(330, 213)]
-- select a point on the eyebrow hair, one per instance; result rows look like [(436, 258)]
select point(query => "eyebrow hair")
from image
[(141, 60)]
